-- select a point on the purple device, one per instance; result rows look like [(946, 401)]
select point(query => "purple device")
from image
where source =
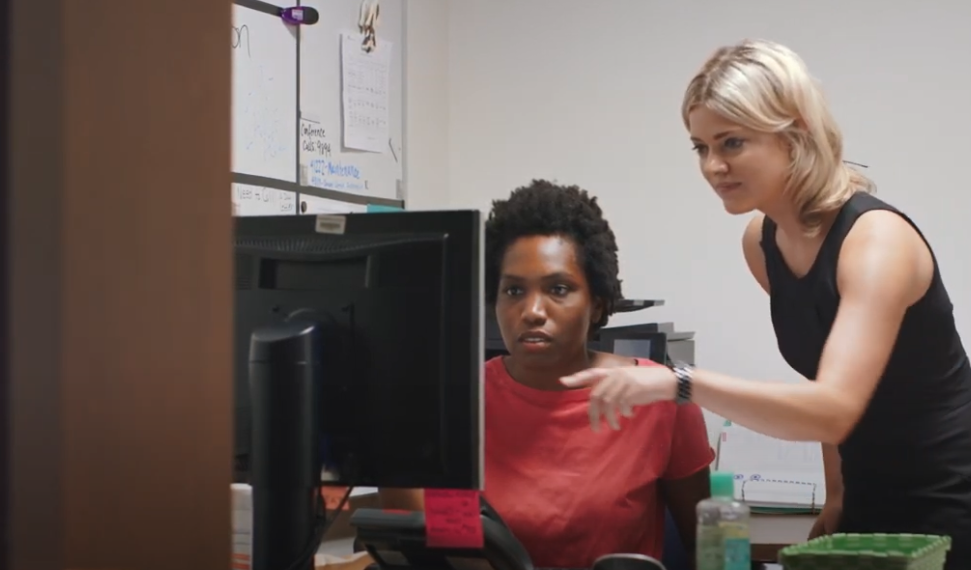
[(298, 15)]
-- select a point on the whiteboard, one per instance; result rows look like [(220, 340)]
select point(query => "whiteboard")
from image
[(264, 104), (325, 162), (285, 162)]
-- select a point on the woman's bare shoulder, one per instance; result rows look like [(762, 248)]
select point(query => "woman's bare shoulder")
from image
[(752, 248)]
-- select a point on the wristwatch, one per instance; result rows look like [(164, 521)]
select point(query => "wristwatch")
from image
[(683, 372)]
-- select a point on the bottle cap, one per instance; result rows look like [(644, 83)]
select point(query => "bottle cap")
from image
[(723, 484)]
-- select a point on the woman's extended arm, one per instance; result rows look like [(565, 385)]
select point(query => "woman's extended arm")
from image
[(884, 267)]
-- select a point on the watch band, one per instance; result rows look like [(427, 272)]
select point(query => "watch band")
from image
[(683, 372)]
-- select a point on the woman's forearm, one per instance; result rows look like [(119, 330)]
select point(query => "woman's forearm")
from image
[(804, 411)]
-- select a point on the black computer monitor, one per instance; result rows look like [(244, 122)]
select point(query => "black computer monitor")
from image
[(396, 299)]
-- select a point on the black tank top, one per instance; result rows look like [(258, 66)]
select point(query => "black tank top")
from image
[(912, 447)]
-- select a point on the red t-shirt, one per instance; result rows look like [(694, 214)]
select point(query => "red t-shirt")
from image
[(570, 494)]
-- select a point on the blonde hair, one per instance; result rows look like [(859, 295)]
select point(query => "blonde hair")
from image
[(766, 87)]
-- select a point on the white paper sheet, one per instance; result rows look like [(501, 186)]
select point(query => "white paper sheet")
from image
[(773, 472), (365, 85)]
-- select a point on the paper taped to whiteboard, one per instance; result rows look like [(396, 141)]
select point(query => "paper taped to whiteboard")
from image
[(331, 224), (365, 93)]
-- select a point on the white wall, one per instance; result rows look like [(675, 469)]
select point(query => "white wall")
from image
[(426, 104), (588, 93)]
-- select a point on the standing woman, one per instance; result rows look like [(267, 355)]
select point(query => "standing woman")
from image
[(857, 303)]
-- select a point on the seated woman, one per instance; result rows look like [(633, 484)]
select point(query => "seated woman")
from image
[(570, 494)]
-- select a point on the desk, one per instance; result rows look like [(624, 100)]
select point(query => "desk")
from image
[(769, 533), (772, 533)]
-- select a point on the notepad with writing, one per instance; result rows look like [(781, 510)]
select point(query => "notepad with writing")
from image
[(772, 473)]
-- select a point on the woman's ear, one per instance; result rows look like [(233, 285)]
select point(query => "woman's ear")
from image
[(597, 312)]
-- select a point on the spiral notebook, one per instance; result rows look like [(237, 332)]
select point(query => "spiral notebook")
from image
[(773, 475)]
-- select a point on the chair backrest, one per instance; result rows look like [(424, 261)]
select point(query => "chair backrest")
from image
[(675, 556)]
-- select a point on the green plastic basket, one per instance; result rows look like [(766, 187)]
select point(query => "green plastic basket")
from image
[(868, 552)]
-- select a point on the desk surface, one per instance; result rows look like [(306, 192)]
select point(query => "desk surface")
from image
[(769, 535), (772, 533)]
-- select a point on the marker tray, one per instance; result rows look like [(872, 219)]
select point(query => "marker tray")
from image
[(868, 552)]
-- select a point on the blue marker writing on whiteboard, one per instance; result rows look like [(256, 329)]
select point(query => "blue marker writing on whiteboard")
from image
[(299, 15)]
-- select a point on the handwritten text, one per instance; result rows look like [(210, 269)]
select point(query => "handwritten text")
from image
[(336, 175), (313, 138), (238, 37)]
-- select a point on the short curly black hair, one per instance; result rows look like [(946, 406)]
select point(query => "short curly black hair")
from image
[(542, 209)]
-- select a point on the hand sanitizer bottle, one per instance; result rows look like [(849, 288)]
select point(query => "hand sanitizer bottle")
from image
[(723, 528)]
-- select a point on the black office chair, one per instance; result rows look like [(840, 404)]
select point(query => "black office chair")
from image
[(675, 555)]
